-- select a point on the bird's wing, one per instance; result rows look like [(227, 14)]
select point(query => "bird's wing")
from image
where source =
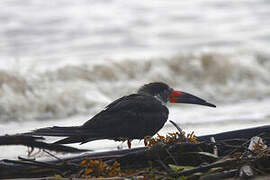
[(133, 116)]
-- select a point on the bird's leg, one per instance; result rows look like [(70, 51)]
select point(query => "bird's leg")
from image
[(129, 143), (145, 140)]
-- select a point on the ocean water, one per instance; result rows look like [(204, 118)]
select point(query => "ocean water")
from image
[(63, 61)]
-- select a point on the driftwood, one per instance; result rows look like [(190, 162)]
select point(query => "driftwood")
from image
[(140, 158), (262, 131), (161, 156), (34, 142)]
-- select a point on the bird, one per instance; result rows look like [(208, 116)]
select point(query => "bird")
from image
[(135, 116)]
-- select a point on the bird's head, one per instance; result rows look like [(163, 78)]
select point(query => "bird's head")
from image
[(165, 94)]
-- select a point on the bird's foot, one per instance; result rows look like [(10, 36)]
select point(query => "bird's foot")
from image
[(129, 143), (145, 140)]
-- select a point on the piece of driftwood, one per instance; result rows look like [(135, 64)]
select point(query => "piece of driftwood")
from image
[(159, 157), (262, 131), (26, 168), (206, 167), (169, 154), (232, 141), (221, 175), (129, 159), (35, 142), (30, 169)]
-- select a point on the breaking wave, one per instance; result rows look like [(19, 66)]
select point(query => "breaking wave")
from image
[(86, 88)]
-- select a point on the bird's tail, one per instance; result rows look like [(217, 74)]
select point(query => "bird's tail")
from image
[(57, 131), (74, 134)]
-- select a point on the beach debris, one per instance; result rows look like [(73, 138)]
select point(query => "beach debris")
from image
[(215, 149), (246, 171), (241, 154), (100, 169), (256, 144)]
